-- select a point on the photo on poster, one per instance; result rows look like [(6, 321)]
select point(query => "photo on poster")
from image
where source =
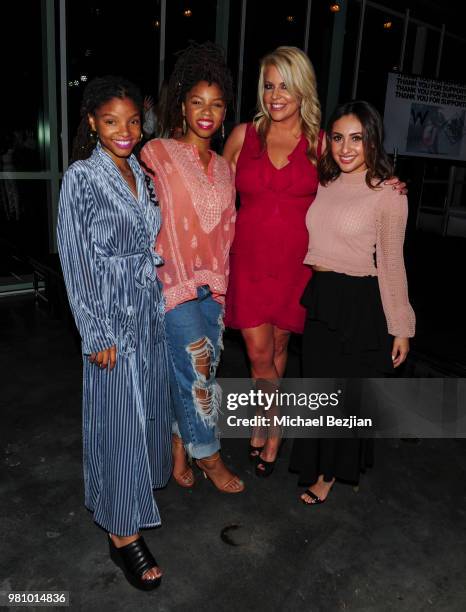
[(435, 130)]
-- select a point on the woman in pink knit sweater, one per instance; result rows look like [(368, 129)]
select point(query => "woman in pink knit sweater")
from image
[(359, 317)]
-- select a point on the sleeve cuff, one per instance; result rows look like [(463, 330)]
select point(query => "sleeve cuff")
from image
[(98, 342), (404, 330)]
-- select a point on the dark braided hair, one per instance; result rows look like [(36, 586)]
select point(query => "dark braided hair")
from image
[(198, 62), (149, 181), (97, 92)]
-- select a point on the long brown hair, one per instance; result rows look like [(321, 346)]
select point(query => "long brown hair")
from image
[(379, 166)]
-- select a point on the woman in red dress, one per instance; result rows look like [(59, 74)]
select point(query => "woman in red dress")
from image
[(275, 160)]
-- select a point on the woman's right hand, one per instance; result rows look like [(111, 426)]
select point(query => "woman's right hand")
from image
[(400, 350), (104, 358)]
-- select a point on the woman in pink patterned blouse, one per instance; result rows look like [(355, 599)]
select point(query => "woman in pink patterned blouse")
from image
[(197, 198)]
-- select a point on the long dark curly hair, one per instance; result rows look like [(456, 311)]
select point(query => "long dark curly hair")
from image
[(97, 92), (379, 166), (198, 62)]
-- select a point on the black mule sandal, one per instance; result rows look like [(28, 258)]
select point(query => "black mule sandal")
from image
[(135, 560)]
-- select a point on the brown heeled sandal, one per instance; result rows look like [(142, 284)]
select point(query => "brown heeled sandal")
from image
[(207, 466), (185, 479)]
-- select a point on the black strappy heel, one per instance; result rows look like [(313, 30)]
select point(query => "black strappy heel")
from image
[(316, 499)]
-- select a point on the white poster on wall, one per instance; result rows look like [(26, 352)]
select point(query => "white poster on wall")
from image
[(425, 117)]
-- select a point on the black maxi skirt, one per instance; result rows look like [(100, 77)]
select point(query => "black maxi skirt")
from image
[(345, 336)]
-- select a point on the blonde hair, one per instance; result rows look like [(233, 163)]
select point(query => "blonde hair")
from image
[(298, 74)]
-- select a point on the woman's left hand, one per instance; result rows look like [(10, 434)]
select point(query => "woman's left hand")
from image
[(398, 185), (400, 351), (104, 358)]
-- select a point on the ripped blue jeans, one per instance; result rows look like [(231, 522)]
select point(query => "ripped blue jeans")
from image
[(194, 335)]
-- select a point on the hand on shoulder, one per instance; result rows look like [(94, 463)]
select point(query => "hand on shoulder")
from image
[(399, 186), (392, 200)]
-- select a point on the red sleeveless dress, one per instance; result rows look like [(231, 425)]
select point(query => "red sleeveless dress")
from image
[(267, 274)]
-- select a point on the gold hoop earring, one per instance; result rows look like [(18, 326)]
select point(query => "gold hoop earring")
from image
[(184, 126)]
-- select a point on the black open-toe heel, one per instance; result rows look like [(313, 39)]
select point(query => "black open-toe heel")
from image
[(135, 560), (268, 465), (254, 452)]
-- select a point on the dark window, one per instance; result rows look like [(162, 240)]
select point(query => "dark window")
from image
[(24, 131), (104, 40), (380, 54), (187, 20), (269, 24), (24, 217)]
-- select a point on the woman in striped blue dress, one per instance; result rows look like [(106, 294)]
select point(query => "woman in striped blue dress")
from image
[(107, 225)]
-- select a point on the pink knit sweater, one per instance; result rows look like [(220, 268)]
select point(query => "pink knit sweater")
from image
[(349, 222)]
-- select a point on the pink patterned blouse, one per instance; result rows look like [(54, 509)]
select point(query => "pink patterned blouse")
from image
[(198, 216)]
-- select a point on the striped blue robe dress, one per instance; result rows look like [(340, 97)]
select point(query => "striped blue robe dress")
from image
[(106, 244)]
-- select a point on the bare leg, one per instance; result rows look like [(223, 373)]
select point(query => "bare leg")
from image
[(266, 346), (259, 345), (281, 338)]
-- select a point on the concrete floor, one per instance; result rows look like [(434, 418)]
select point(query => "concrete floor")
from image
[(397, 544)]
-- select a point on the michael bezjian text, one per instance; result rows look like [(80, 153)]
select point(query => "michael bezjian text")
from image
[(299, 421)]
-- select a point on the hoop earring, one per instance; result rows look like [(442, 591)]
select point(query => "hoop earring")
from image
[(184, 126), (223, 131)]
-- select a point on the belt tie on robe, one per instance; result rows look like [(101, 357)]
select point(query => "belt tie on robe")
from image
[(146, 268)]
